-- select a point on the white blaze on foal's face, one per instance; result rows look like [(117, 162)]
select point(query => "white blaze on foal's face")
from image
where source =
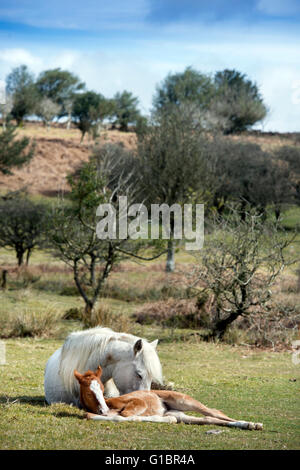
[(96, 389)]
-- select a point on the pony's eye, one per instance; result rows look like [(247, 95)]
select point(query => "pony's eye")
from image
[(139, 376)]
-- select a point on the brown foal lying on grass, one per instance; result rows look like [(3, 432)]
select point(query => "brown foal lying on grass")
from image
[(161, 406)]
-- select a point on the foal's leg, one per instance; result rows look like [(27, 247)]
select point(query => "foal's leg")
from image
[(118, 418), (126, 408), (181, 402), (110, 389), (183, 418)]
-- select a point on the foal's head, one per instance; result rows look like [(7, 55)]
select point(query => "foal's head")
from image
[(91, 391)]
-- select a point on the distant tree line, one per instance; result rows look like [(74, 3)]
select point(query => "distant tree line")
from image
[(59, 94), (228, 101)]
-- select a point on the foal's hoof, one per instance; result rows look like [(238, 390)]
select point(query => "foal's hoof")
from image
[(255, 426), (259, 426), (171, 419)]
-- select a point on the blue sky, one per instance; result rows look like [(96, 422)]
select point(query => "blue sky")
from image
[(133, 45)]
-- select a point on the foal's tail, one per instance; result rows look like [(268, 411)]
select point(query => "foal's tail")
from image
[(181, 402)]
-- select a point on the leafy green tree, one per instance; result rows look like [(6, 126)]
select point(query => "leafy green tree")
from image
[(23, 226), (189, 86), (105, 111), (126, 111), (172, 163), (237, 104), (86, 111), (60, 86), (20, 85), (14, 152)]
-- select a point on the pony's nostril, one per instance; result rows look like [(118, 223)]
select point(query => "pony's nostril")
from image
[(102, 411)]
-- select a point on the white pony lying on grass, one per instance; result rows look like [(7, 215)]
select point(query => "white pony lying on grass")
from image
[(130, 361)]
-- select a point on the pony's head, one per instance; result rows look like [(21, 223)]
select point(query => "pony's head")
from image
[(137, 370), (91, 391)]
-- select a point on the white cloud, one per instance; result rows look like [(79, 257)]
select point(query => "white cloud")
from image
[(277, 87), (18, 56)]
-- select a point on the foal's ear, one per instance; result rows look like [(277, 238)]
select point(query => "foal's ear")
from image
[(98, 372), (137, 347), (154, 343), (78, 376)]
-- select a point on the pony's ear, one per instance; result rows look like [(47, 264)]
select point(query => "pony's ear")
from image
[(154, 343), (137, 347), (78, 376), (98, 372)]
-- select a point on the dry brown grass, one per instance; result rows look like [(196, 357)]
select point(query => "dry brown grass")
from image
[(103, 316), (266, 142), (177, 313), (58, 153), (30, 324)]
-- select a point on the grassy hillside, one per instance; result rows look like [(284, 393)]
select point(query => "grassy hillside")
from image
[(59, 152)]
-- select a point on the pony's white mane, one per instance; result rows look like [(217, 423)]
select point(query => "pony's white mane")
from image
[(80, 347)]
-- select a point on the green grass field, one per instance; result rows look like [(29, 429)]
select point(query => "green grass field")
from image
[(253, 385)]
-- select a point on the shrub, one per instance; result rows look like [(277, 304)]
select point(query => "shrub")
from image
[(279, 326), (103, 316), (275, 328), (30, 324), (25, 278), (23, 226), (173, 313), (236, 336), (73, 313), (137, 294)]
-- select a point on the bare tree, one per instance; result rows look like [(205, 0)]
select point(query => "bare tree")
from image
[(47, 110), (291, 156), (5, 110), (91, 259), (73, 229), (238, 265), (68, 107)]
